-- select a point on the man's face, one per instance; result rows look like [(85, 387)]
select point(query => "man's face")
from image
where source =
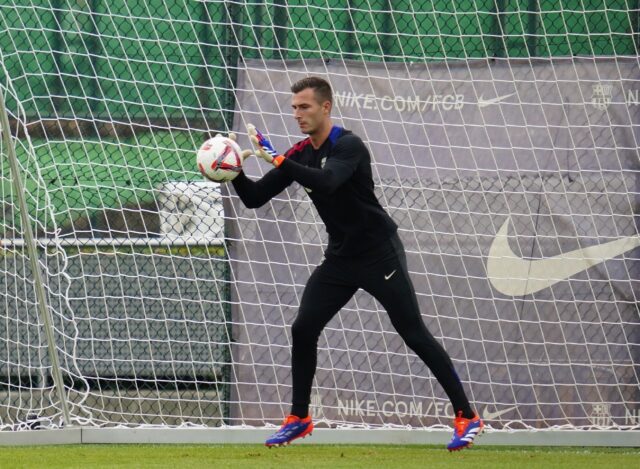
[(308, 112)]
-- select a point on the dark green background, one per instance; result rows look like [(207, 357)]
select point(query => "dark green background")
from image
[(122, 92)]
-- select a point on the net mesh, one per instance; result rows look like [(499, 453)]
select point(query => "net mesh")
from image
[(171, 302)]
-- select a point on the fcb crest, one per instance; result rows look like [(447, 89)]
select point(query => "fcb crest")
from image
[(601, 96)]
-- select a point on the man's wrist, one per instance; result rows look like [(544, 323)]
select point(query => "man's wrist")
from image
[(277, 161)]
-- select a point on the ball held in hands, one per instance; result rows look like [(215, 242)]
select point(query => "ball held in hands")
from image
[(220, 158)]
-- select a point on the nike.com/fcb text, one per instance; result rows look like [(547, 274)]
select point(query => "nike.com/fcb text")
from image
[(601, 99), (441, 409)]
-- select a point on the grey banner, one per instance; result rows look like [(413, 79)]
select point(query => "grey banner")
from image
[(484, 166)]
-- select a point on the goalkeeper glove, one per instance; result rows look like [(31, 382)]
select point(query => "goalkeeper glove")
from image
[(264, 149), (244, 153)]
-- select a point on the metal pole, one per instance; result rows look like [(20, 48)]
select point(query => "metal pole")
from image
[(635, 32), (280, 24), (232, 59), (532, 29), (498, 30), (41, 296)]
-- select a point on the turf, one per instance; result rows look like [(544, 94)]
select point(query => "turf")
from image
[(312, 456)]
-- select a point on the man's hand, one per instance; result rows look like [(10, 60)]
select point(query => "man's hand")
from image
[(245, 153), (264, 149)]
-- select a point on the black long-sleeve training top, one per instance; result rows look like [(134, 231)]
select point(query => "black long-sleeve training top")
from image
[(338, 178)]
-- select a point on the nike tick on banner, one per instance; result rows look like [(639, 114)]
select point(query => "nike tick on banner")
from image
[(511, 275), (488, 102)]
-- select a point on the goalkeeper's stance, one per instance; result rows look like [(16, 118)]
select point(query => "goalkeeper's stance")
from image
[(364, 251)]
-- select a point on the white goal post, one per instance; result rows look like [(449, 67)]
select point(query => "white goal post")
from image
[(139, 301)]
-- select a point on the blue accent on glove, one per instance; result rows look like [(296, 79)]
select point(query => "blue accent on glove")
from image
[(265, 144)]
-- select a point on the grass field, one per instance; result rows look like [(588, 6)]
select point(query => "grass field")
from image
[(311, 456)]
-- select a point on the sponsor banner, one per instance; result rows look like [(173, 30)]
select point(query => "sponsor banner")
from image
[(430, 412), (516, 188)]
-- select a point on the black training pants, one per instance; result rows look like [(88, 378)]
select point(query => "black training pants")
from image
[(382, 273)]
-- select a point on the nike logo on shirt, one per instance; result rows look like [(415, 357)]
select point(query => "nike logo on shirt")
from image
[(387, 277)]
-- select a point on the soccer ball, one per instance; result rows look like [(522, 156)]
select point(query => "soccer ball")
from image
[(220, 159)]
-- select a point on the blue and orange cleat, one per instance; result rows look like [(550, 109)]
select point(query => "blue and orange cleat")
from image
[(464, 432), (293, 428)]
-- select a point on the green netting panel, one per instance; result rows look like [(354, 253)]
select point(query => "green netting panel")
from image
[(131, 60), (437, 30), (86, 177), (150, 61), (169, 64), (587, 27), (26, 47), (161, 60)]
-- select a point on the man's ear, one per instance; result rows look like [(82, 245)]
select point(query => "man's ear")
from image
[(326, 107)]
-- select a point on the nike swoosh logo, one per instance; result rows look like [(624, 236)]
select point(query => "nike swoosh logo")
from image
[(514, 276), (486, 415), (387, 277), (488, 102)]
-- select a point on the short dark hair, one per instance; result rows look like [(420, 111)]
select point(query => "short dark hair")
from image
[(321, 88)]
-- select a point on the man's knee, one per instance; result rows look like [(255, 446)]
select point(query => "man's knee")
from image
[(414, 340), (305, 331), (417, 337)]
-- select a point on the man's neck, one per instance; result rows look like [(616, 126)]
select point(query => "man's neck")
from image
[(319, 137)]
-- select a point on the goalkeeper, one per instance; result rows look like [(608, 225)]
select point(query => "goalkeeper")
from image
[(364, 251)]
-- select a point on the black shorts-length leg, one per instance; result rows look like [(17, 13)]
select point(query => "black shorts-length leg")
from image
[(386, 278), (328, 289)]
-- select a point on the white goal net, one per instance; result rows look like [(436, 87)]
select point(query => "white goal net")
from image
[(504, 139)]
